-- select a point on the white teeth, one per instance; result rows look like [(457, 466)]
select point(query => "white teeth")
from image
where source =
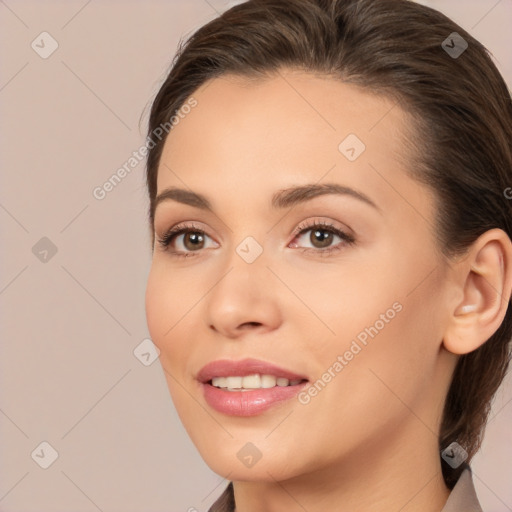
[(268, 381), (220, 382), (251, 382), (234, 382), (255, 381)]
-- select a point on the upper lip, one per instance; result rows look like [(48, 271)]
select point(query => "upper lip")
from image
[(243, 367)]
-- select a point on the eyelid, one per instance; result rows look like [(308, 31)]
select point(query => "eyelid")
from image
[(344, 233), (177, 230), (319, 221)]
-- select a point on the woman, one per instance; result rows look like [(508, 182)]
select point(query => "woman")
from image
[(332, 258)]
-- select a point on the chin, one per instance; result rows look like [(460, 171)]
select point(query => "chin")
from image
[(236, 464)]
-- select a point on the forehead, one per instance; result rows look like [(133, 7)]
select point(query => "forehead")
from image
[(292, 127)]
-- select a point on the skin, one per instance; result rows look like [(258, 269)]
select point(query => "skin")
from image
[(368, 440)]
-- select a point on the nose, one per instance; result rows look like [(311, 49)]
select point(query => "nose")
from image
[(244, 300)]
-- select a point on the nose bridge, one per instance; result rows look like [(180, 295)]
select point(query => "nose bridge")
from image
[(246, 266), (248, 234), (243, 294)]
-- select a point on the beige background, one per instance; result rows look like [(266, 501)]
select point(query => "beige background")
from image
[(70, 324)]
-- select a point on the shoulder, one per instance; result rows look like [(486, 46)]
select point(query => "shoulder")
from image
[(463, 497)]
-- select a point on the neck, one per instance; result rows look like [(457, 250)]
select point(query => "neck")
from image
[(403, 473)]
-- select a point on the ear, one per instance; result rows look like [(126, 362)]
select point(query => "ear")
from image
[(484, 276)]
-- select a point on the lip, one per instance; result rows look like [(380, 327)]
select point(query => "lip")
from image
[(248, 403), (242, 368), (251, 402)]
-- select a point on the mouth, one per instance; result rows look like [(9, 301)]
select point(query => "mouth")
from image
[(247, 387), (255, 381), (247, 373)]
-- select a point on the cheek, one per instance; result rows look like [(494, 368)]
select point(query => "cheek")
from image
[(387, 333), (172, 306), (154, 302), (364, 401), (163, 306)]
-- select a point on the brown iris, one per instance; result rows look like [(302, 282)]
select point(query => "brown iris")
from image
[(321, 235), (195, 238)]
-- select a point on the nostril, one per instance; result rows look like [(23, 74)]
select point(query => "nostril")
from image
[(255, 324)]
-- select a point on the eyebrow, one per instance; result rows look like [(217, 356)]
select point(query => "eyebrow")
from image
[(284, 198)]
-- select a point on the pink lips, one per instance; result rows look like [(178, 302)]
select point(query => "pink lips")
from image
[(246, 403), (226, 368)]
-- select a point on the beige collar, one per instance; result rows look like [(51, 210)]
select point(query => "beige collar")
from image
[(463, 497)]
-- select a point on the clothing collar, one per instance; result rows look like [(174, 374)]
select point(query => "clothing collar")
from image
[(462, 498)]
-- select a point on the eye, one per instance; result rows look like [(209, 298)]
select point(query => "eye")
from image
[(193, 240), (321, 237)]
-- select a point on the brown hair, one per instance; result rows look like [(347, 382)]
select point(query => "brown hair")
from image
[(461, 111)]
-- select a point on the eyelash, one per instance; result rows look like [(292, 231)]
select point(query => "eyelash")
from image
[(348, 240)]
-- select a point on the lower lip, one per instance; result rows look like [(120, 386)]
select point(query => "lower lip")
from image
[(248, 403)]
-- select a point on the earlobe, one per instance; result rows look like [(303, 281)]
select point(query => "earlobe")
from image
[(486, 280)]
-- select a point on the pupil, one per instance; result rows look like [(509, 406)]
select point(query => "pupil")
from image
[(194, 238), (324, 238)]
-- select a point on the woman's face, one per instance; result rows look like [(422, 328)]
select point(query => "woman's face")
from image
[(360, 314)]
